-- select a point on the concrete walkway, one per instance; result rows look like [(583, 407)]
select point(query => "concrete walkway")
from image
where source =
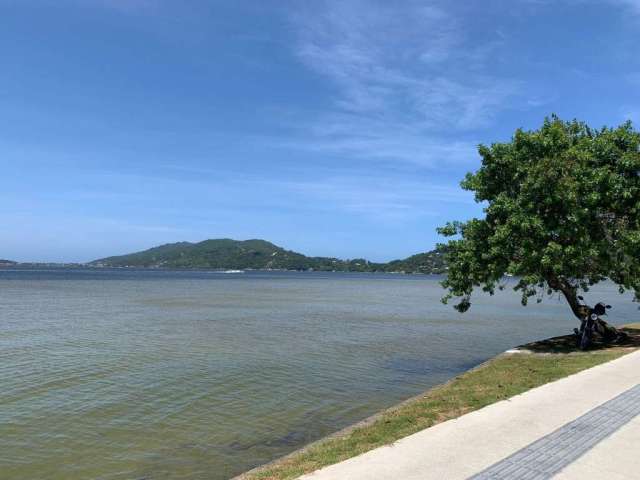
[(580, 427)]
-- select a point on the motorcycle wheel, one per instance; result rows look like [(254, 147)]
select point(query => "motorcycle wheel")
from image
[(585, 341)]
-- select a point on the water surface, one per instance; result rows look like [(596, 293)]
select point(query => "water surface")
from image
[(124, 374)]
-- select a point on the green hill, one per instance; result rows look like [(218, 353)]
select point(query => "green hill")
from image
[(429, 262), (259, 254)]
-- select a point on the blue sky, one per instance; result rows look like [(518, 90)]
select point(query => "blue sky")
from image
[(338, 127)]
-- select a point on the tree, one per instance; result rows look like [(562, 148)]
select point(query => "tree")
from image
[(562, 213)]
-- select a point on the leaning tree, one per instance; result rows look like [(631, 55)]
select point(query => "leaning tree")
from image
[(562, 213)]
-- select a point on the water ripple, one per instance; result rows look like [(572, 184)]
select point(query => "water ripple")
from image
[(115, 375)]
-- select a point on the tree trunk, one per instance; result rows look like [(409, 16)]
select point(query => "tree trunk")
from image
[(570, 294), (580, 311)]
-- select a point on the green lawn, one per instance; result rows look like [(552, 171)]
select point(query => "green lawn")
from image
[(498, 379)]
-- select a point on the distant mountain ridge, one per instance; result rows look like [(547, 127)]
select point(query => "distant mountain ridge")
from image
[(225, 254), (7, 263)]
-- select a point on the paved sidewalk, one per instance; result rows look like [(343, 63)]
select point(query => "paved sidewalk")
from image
[(580, 427)]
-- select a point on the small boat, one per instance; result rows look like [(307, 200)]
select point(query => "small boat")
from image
[(233, 271)]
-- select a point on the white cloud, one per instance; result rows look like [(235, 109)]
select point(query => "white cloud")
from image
[(403, 76)]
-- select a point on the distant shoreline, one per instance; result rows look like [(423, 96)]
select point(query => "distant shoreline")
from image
[(88, 266), (223, 254)]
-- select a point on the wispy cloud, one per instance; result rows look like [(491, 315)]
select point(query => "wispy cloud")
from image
[(380, 198), (402, 77), (357, 136)]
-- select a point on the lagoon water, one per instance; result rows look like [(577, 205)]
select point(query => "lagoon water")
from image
[(124, 374)]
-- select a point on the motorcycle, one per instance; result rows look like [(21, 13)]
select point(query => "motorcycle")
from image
[(592, 324)]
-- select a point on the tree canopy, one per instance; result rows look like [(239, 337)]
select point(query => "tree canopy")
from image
[(562, 213)]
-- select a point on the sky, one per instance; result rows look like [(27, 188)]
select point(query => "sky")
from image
[(334, 128)]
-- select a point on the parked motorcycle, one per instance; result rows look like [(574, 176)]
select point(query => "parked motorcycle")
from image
[(592, 325)]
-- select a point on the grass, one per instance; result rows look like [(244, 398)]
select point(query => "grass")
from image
[(498, 379)]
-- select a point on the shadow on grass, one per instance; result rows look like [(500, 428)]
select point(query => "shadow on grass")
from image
[(567, 343)]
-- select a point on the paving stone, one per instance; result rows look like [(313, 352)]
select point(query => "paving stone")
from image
[(547, 456)]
